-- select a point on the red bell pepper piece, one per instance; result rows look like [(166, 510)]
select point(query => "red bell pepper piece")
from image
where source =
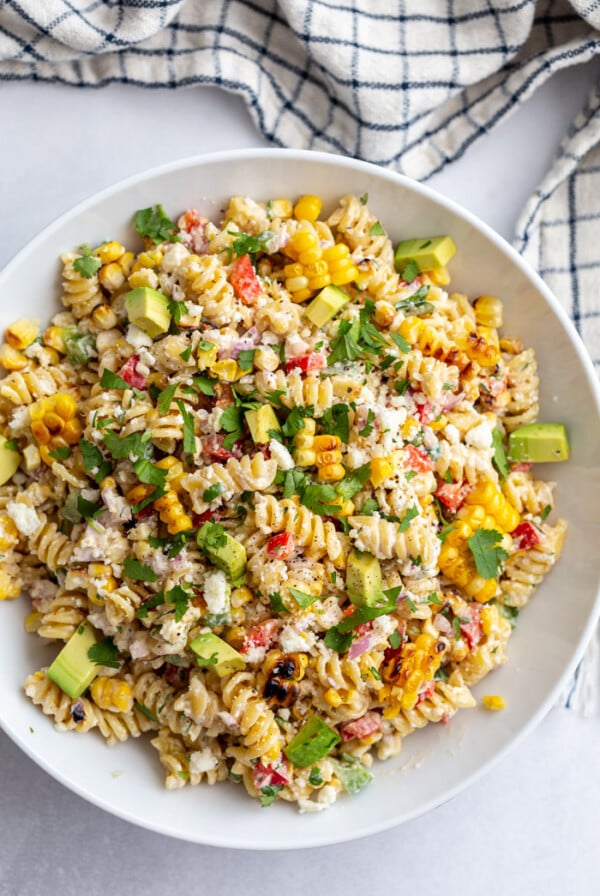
[(281, 546), (526, 536), (472, 630), (129, 373), (313, 361), (246, 284), (363, 727), (262, 635), (415, 459), (451, 494)]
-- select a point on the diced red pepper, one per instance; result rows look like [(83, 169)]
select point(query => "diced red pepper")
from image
[(527, 536), (281, 546), (363, 727), (189, 220), (425, 413), (451, 494), (246, 284), (427, 692), (472, 630), (306, 362), (262, 635), (129, 373), (213, 446), (416, 459), (360, 629), (273, 775)]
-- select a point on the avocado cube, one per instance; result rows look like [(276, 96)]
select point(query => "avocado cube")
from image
[(148, 310), (214, 653), (72, 670), (427, 252), (539, 443), (9, 461), (260, 421), (222, 549), (326, 305), (363, 579)]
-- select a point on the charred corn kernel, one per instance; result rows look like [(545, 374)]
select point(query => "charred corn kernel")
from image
[(330, 473), (113, 694), (228, 370), (22, 333), (327, 442), (40, 432), (308, 208), (305, 457), (9, 534), (346, 387), (381, 469), (266, 359), (53, 422), (172, 513), (53, 338), (111, 277), (142, 277), (432, 344), (488, 495), (511, 346), (439, 423), (11, 358), (206, 358), (488, 311), (9, 588), (139, 493), (175, 470), (332, 698), (493, 702), (235, 636), (126, 262), (241, 596), (439, 276), (300, 664), (280, 208), (293, 270), (384, 314), (410, 427), (110, 251), (151, 259), (303, 443), (345, 275), (104, 317), (301, 295), (238, 615), (32, 622), (64, 405), (482, 345)]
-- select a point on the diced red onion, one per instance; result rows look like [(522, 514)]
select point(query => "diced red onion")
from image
[(360, 646)]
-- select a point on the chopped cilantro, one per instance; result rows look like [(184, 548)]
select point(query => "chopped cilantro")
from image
[(547, 509), (499, 459), (246, 359), (246, 244), (157, 600), (145, 711), (212, 535), (163, 402), (364, 198), (395, 640), (295, 420), (268, 794), (136, 446), (364, 614), (486, 553), (232, 421), (88, 265), (411, 270), (302, 599), (177, 310), (293, 482), (401, 386), (205, 385), (11, 445), (186, 354), (377, 230), (79, 347), (400, 342), (104, 653), (368, 427), (156, 224), (345, 347), (320, 499), (335, 640), (354, 481), (133, 569), (110, 380), (336, 423), (277, 604), (369, 507), (149, 474), (87, 509), (189, 439), (416, 304), (212, 492), (60, 453), (408, 517)]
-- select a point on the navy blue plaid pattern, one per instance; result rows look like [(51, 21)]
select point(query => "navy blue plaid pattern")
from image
[(404, 83)]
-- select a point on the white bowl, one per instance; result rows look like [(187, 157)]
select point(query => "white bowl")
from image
[(441, 760)]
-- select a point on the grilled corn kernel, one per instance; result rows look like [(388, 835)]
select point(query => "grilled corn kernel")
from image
[(22, 333), (40, 432), (280, 208), (142, 277), (327, 442), (493, 702), (151, 259), (439, 276), (308, 208), (236, 636), (126, 262), (112, 694), (330, 473), (139, 493), (9, 588), (384, 314), (241, 596), (9, 534), (228, 370), (111, 277), (332, 697), (32, 622), (11, 358), (381, 469), (65, 405), (104, 317), (511, 346), (110, 251), (488, 311), (53, 337)]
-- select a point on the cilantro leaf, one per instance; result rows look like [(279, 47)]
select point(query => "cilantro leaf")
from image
[(87, 509), (163, 402), (486, 553), (205, 385), (294, 483), (369, 507), (365, 614), (177, 310), (294, 421), (336, 423), (154, 222), (354, 481), (246, 359), (150, 475), (320, 499), (368, 427), (345, 347), (302, 599), (189, 439), (133, 569), (157, 600), (395, 640), (94, 461), (364, 198), (110, 380), (411, 270), (88, 265), (212, 492), (410, 514), (60, 453), (400, 342), (377, 229), (499, 459), (186, 354), (416, 303), (211, 535), (135, 446), (246, 244), (277, 604), (232, 421), (104, 653), (336, 640)]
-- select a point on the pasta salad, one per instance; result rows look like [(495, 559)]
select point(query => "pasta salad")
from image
[(267, 485)]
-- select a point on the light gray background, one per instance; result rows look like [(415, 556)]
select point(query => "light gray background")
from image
[(532, 824)]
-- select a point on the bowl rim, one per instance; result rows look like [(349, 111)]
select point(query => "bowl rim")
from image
[(500, 243)]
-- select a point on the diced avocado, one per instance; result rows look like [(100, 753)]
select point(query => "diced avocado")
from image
[(363, 579), (222, 549), (9, 461), (214, 653), (72, 670), (148, 310), (260, 421), (326, 305), (427, 252), (539, 443)]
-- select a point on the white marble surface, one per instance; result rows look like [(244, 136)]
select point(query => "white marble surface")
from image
[(529, 826)]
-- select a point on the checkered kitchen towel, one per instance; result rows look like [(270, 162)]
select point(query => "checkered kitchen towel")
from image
[(405, 83)]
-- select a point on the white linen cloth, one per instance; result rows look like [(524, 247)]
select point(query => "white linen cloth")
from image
[(408, 84)]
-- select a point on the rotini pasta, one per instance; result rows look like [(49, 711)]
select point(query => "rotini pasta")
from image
[(263, 479)]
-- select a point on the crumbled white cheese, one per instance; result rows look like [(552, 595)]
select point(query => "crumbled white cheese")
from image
[(356, 457), (383, 627), (137, 337), (214, 420), (391, 420), (279, 452), (173, 257), (202, 761), (481, 435), (291, 640), (216, 592), (146, 357), (19, 420), (451, 434), (24, 517), (326, 797)]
